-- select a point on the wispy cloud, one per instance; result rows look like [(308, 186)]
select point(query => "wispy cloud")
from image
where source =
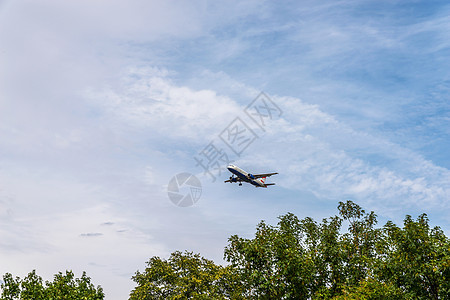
[(91, 234), (315, 151)]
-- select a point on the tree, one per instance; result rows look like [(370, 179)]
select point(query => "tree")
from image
[(322, 243), (32, 287), (64, 286), (370, 288), (10, 287), (359, 245), (417, 259), (184, 276), (305, 259), (273, 264)]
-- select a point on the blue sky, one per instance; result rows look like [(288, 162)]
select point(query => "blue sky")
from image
[(102, 103)]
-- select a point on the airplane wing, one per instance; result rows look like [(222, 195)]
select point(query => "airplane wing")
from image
[(234, 180), (263, 175), (267, 184)]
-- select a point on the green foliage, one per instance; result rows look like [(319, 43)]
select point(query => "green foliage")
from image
[(63, 287), (299, 259), (370, 288), (32, 287), (304, 259), (359, 244), (272, 265), (10, 287), (417, 259), (184, 276), (295, 259)]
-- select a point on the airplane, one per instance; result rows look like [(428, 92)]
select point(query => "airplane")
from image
[(258, 180)]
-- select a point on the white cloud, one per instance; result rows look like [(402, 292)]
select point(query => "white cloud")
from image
[(332, 160), (150, 100), (314, 151)]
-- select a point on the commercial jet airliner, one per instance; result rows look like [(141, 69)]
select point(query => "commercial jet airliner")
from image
[(257, 180)]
